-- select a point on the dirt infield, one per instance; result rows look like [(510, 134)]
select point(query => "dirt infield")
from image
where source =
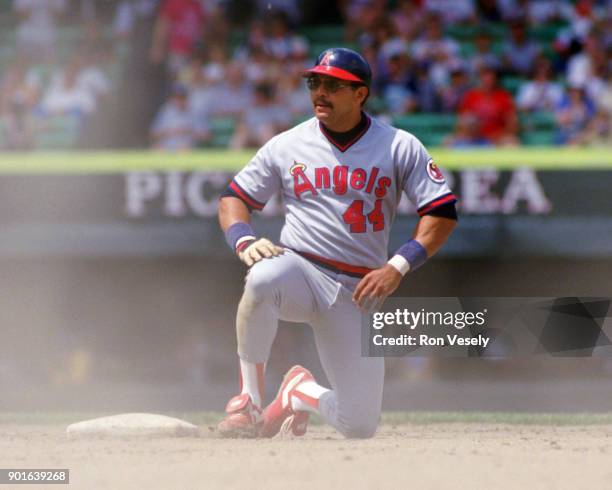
[(451, 455)]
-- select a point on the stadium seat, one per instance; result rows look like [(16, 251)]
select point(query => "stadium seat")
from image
[(57, 132), (222, 129), (538, 138), (237, 38), (430, 128), (546, 33), (466, 49), (332, 35), (538, 128), (468, 32), (376, 105), (541, 120), (512, 83)]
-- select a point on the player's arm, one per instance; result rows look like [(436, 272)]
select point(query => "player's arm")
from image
[(249, 190), (232, 210), (431, 232), (235, 221)]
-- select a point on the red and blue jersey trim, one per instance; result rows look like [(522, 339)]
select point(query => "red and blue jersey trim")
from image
[(242, 194), (437, 202)]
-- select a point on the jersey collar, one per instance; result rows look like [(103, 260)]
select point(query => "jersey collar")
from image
[(359, 131)]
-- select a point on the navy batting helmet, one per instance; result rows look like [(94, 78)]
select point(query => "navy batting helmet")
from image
[(343, 63)]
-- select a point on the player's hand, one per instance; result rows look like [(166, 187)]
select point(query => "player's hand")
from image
[(376, 286), (259, 249)]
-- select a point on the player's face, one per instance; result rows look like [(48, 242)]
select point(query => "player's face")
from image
[(334, 100)]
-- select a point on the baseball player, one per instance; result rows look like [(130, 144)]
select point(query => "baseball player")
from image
[(341, 175)]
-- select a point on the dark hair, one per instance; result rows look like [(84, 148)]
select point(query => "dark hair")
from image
[(265, 89), (489, 68)]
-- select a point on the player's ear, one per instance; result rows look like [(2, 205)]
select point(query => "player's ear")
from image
[(362, 93)]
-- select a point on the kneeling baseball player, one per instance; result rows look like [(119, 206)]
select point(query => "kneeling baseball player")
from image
[(341, 175)]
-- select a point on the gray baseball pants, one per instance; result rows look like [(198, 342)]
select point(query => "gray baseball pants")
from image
[(291, 288)]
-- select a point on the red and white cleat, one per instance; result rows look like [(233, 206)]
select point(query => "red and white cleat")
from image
[(279, 416), (243, 419)]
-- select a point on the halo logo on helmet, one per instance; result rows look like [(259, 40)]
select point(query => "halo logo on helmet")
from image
[(325, 60), (344, 64)]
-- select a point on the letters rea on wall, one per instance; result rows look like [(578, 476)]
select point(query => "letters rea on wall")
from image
[(182, 194)]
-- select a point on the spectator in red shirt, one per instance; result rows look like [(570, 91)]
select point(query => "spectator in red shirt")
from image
[(494, 109), (178, 27)]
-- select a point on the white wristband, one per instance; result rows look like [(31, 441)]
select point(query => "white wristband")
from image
[(400, 263), (244, 239)]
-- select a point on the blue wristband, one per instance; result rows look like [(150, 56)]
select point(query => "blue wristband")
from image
[(414, 253), (236, 232)]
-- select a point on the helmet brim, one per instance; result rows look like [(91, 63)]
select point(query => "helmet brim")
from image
[(333, 71)]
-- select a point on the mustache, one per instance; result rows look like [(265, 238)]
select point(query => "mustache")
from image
[(323, 103)]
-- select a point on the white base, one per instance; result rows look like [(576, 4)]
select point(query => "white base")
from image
[(133, 424)]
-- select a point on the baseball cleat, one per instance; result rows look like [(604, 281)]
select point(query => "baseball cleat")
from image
[(279, 416), (243, 419)]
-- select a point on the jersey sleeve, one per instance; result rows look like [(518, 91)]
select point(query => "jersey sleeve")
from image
[(258, 181), (422, 180)]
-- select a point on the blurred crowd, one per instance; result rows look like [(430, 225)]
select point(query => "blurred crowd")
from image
[(43, 84), (228, 72)]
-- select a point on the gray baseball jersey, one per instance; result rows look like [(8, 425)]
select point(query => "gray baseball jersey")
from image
[(340, 202)]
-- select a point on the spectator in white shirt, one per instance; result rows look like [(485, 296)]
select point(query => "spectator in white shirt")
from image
[(128, 14), (66, 96), (201, 93), (261, 120), (293, 95), (407, 18), (36, 30), (433, 45), (452, 11), (540, 93), (436, 53), (519, 53), (573, 115), (176, 127), (19, 85), (290, 8), (92, 75), (452, 94), (536, 12), (484, 55), (233, 96), (395, 90), (581, 66), (19, 92), (604, 97), (280, 42)]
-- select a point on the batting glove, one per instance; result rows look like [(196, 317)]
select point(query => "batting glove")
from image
[(259, 249)]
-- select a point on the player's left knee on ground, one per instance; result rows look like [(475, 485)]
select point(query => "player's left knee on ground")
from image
[(359, 430), (358, 426), (354, 417)]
